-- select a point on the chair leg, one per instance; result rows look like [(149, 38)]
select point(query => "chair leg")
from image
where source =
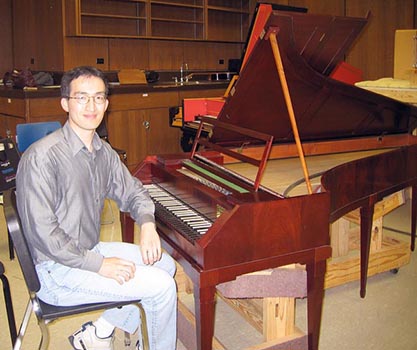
[(9, 308), (144, 342), (127, 341), (44, 335), (144, 329), (23, 326), (11, 248)]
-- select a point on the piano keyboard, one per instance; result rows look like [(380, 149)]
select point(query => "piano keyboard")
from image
[(178, 214)]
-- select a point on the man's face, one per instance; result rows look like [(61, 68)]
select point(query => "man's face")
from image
[(88, 116)]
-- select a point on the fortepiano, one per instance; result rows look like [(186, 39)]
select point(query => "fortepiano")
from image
[(218, 224), (332, 117)]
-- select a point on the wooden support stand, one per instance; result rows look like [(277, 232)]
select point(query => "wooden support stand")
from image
[(387, 253), (278, 323), (275, 317)]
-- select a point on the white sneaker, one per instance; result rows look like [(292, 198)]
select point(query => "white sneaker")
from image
[(87, 339)]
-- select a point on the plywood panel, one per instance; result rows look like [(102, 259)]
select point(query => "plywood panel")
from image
[(405, 56)]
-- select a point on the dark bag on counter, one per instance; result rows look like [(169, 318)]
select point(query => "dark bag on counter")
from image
[(43, 79), (19, 78), (151, 76)]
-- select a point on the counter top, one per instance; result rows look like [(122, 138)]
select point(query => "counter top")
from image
[(54, 91)]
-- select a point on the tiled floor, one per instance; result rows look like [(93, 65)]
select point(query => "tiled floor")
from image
[(385, 320)]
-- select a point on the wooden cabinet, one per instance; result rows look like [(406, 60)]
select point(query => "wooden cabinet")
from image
[(8, 125), (170, 19), (142, 132), (201, 93), (161, 138), (15, 110), (139, 124), (137, 117)]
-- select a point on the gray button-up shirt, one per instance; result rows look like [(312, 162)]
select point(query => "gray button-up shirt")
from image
[(61, 188)]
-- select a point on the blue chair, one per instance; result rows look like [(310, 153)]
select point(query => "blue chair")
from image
[(28, 133)]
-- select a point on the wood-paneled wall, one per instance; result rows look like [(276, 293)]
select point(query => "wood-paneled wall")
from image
[(374, 51), (38, 39), (148, 54), (37, 34), (6, 44)]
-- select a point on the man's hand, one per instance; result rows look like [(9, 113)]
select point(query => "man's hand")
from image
[(150, 244), (118, 269)]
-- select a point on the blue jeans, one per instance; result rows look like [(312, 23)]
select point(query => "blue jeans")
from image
[(154, 285)]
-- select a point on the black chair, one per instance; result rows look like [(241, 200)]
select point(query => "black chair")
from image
[(46, 313), (9, 304), (9, 160), (104, 134)]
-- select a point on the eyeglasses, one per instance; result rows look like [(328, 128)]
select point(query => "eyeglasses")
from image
[(84, 99)]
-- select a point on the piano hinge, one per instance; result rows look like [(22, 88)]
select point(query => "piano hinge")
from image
[(271, 30)]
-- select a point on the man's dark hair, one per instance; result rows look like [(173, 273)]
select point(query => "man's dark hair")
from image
[(82, 71)]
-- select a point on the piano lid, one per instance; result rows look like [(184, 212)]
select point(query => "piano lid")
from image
[(260, 16), (324, 108), (321, 40), (324, 40)]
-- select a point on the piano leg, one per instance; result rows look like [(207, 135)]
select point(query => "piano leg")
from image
[(204, 316), (128, 228), (315, 294), (367, 214), (413, 216)]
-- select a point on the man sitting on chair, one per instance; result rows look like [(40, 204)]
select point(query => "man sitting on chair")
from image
[(62, 182)]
